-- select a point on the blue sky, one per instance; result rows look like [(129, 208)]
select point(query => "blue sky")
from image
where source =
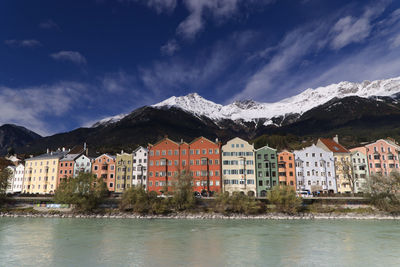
[(66, 64)]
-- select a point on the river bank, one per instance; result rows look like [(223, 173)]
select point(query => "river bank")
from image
[(207, 216)]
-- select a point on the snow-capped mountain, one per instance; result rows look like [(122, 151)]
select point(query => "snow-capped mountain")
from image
[(249, 110), (109, 120)]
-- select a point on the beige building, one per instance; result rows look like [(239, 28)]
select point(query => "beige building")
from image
[(343, 166), (123, 173), (41, 173), (238, 167)]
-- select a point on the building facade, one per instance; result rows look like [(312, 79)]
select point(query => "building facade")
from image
[(139, 169), (315, 170), (286, 169), (166, 159), (124, 163), (266, 170), (104, 167), (383, 157), (66, 167), (342, 162), (201, 158), (238, 167), (82, 164), (41, 173), (360, 170), (205, 165)]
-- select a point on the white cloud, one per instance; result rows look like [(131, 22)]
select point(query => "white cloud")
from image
[(23, 43), (29, 106), (170, 47), (72, 56), (288, 57), (48, 24), (219, 9), (118, 82)]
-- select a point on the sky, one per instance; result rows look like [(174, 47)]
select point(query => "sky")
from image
[(66, 64)]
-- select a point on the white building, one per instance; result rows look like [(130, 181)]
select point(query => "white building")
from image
[(82, 164), (315, 170), (238, 167), (139, 168), (16, 179)]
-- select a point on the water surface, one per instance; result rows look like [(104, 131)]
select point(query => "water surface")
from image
[(130, 242)]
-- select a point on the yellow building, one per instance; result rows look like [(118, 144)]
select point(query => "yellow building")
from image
[(342, 158), (41, 173)]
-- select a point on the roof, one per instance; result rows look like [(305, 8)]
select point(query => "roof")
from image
[(51, 155), (333, 146), (138, 148), (70, 157), (266, 147), (206, 139), (107, 155)]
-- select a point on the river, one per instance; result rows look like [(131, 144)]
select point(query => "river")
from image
[(131, 242)]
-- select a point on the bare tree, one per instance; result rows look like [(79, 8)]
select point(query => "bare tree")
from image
[(345, 168)]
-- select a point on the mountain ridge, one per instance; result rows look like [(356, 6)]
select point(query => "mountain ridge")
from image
[(294, 106)]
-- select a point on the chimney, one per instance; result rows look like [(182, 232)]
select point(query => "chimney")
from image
[(181, 141), (122, 152), (63, 149), (216, 140), (336, 139), (84, 146), (47, 151)]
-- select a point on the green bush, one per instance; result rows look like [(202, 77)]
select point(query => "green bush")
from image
[(385, 192), (85, 191), (285, 199), (237, 203), (4, 180), (136, 199)]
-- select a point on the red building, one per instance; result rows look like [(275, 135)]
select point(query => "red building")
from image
[(104, 167), (201, 157)]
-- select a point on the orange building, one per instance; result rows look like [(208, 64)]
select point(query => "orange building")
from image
[(286, 169), (201, 157), (104, 167), (66, 167)]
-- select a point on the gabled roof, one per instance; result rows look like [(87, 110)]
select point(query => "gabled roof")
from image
[(267, 147), (333, 146), (390, 142), (107, 155), (138, 148), (163, 140), (202, 137)]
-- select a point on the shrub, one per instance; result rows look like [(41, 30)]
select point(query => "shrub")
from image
[(285, 199), (140, 201), (237, 203), (384, 192), (85, 191), (183, 196)]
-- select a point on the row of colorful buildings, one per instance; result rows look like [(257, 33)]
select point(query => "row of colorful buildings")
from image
[(236, 166)]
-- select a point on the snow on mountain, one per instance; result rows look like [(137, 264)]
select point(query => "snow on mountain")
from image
[(109, 120), (249, 110)]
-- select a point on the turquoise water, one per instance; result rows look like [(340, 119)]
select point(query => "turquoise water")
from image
[(129, 242)]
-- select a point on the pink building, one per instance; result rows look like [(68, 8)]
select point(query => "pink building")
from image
[(383, 156)]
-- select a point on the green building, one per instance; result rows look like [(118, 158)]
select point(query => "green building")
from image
[(123, 172), (266, 170)]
